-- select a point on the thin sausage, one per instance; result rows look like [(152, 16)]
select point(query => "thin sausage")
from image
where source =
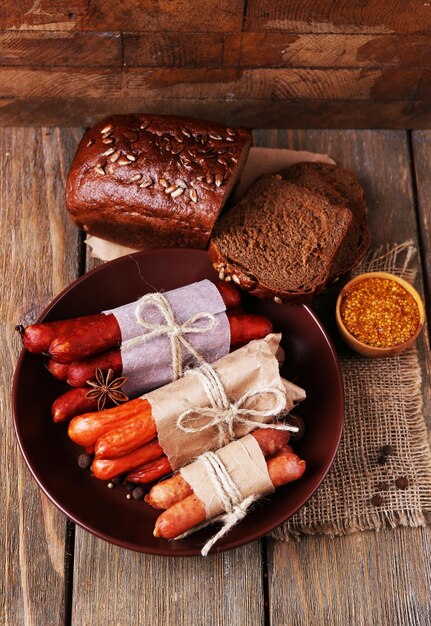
[(180, 518), (96, 335), (86, 429), (151, 471), (38, 337), (231, 295), (82, 371), (104, 469), (128, 436), (58, 370), (71, 403), (168, 492), (283, 468), (244, 328), (165, 494)]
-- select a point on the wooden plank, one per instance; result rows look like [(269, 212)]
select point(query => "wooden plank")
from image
[(366, 578), (423, 91), (354, 579), (39, 260), (330, 50), (116, 586), (321, 16), (173, 49), (247, 50), (421, 141), (421, 144), (276, 50), (123, 15), (209, 83), (60, 49), (252, 113)]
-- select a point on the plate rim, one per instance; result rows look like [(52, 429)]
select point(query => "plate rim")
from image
[(156, 551)]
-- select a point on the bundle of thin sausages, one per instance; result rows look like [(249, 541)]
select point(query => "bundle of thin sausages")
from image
[(124, 440), (184, 510), (78, 347)]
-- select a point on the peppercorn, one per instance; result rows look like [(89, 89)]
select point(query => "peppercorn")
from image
[(138, 493), (129, 486), (388, 450), (377, 500), (380, 312), (382, 460), (402, 482), (85, 460)]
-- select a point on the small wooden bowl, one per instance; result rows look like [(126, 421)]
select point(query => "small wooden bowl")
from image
[(373, 351)]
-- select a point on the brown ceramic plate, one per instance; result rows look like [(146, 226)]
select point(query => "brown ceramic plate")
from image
[(311, 362)]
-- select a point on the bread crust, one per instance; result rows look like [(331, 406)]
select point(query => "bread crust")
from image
[(149, 181)]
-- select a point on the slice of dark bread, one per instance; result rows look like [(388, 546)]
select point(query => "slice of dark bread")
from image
[(342, 189), (279, 241)]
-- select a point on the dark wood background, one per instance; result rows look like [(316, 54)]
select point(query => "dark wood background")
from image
[(262, 63)]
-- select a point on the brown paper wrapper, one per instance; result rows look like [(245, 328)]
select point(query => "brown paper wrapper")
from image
[(246, 466), (249, 369)]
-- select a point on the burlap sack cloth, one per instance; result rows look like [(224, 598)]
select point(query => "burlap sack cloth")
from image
[(383, 407)]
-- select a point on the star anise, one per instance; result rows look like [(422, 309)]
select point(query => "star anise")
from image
[(106, 388)]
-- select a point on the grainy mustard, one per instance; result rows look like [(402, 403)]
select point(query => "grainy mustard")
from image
[(379, 312)]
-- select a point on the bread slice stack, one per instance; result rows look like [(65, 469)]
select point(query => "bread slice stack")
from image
[(293, 233)]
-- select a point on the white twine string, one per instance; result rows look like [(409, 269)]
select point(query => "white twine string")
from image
[(233, 503), (172, 329), (224, 414)]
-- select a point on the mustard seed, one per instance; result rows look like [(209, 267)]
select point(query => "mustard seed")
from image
[(380, 312)]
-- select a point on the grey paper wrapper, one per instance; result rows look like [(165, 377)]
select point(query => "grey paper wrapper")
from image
[(246, 466), (251, 368), (148, 365)]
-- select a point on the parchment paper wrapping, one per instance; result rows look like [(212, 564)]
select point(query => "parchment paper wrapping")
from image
[(148, 364), (259, 161), (251, 368), (246, 466)]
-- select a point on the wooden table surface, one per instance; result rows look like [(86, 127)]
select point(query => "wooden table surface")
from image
[(56, 573)]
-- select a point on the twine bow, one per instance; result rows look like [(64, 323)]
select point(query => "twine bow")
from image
[(235, 506), (224, 414), (171, 328)]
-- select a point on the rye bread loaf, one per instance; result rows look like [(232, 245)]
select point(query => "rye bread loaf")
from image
[(279, 241), (341, 188), (149, 181)]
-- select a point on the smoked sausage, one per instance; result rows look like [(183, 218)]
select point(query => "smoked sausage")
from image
[(71, 403), (149, 472), (58, 370)]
